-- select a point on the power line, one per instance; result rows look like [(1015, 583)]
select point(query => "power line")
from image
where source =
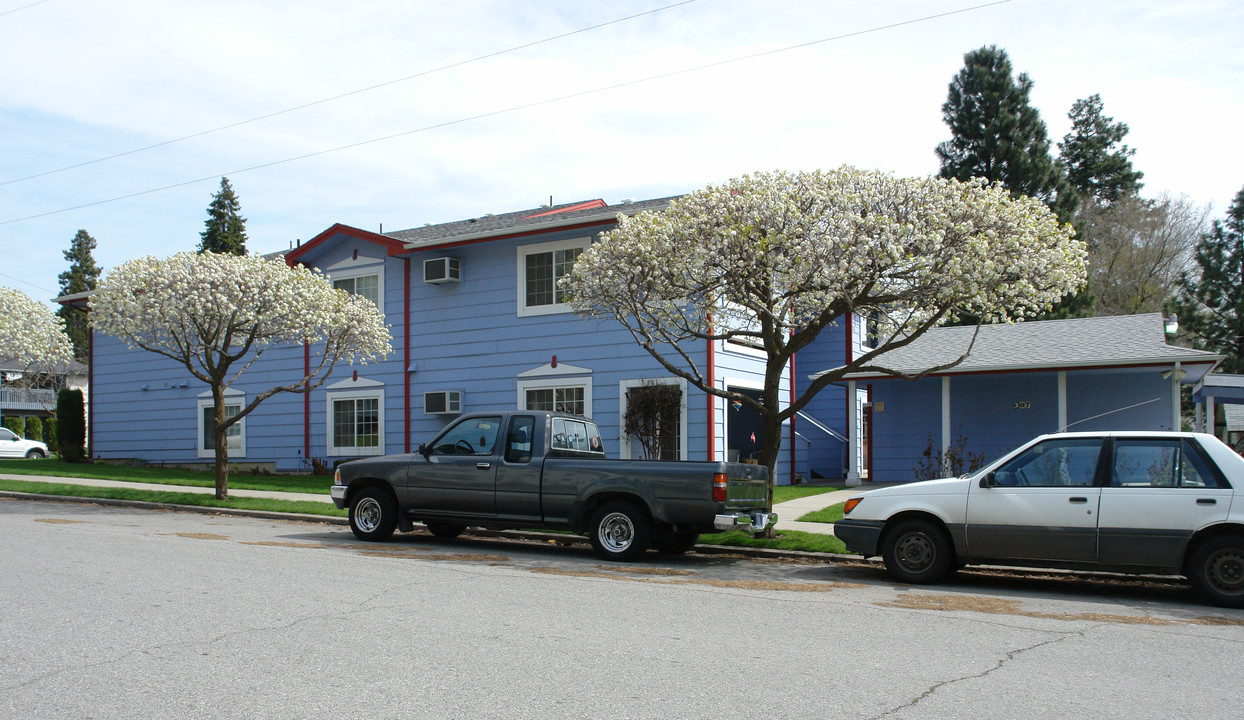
[(515, 108), (16, 9), (369, 88)]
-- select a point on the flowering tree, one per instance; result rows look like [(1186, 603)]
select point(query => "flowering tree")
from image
[(772, 259), (30, 334), (217, 314)]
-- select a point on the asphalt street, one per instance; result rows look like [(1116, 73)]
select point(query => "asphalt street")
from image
[(113, 612)]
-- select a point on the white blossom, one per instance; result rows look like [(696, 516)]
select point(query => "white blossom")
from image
[(30, 333)]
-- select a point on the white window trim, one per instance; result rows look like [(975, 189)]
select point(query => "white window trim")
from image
[(624, 440), (347, 269), (232, 397), (523, 252), (557, 382), (369, 390)]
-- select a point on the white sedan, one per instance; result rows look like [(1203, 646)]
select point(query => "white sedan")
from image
[(1131, 502), (13, 446)]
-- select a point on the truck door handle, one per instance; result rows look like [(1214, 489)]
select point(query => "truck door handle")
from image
[(1206, 501), (1078, 499), (482, 466)]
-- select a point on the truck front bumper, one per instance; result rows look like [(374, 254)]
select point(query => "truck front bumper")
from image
[(754, 522), (338, 494)]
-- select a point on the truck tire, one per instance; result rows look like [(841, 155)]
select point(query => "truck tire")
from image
[(672, 543), (917, 551), (373, 515), (1216, 570), (620, 531), (444, 530)]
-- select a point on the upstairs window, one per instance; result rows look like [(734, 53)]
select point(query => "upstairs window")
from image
[(541, 268), (365, 286)]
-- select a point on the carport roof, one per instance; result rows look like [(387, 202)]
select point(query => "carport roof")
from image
[(1078, 343)]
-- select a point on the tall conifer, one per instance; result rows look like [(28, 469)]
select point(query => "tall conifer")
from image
[(1211, 302), (82, 275), (225, 229)]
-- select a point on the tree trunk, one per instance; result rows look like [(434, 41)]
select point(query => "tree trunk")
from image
[(222, 443)]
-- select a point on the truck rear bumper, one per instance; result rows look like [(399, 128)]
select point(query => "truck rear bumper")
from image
[(755, 522)]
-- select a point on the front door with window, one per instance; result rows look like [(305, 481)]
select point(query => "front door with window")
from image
[(461, 472)]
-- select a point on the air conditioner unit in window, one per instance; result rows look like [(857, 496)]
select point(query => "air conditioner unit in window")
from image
[(442, 402), (441, 270)]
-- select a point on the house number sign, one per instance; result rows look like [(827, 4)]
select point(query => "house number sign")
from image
[(1023, 405)]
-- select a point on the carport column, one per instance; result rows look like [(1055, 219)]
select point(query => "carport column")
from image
[(1176, 419), (1062, 401), (853, 434), (1209, 415), (945, 417)]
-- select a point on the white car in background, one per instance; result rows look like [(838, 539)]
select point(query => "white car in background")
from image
[(13, 446), (1130, 502)]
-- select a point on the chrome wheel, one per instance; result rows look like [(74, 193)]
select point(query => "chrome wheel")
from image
[(367, 514), (617, 532)]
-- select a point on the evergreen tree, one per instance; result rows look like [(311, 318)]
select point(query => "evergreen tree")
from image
[(82, 275), (1211, 304), (996, 134), (225, 229), (1098, 166)]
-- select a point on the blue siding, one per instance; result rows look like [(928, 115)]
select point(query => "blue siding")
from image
[(1124, 399), (827, 456), (910, 420)]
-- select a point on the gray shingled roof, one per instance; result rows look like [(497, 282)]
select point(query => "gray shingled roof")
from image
[(521, 221), (1046, 344)]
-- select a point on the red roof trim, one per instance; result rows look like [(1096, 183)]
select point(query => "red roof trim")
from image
[(391, 246), (571, 208)]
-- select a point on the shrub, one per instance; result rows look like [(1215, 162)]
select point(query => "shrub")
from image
[(49, 434), (652, 411), (956, 461), (16, 425), (70, 425), (34, 428)]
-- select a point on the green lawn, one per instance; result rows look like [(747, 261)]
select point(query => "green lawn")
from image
[(175, 498), (782, 493), (831, 514), (166, 476), (786, 540)]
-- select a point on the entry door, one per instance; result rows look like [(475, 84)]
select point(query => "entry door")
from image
[(1041, 505)]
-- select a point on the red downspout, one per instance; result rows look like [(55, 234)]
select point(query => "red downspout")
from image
[(90, 381), (793, 454), (712, 412), (306, 404), (850, 403), (406, 355)]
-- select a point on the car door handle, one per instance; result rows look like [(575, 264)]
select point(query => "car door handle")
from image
[(483, 466), (1206, 501), (1078, 500)]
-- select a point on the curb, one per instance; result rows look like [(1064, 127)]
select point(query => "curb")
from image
[(529, 535)]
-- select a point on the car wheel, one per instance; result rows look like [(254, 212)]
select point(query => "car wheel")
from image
[(35, 454), (917, 551), (1216, 570), (444, 530), (373, 514), (620, 531), (671, 543)]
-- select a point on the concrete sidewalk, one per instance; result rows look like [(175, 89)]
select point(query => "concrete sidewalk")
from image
[(789, 511), (309, 497)]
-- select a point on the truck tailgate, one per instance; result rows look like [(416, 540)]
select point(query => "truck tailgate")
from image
[(747, 486)]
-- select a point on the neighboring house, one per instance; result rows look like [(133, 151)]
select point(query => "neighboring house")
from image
[(30, 390), (1021, 380), (479, 323)]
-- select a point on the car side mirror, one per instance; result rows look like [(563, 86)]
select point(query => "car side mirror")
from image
[(988, 481), (423, 450)]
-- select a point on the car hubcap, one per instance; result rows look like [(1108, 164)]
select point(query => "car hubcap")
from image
[(915, 552), (367, 514), (616, 532), (1226, 571)]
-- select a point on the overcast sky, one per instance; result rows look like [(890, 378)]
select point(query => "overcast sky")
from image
[(87, 79)]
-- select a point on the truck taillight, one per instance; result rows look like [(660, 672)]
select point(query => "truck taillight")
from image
[(719, 487)]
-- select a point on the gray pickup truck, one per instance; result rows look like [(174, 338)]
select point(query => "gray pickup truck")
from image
[(548, 470)]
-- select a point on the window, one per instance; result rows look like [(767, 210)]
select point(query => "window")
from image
[(235, 435), (1159, 463), (870, 329), (475, 436), (673, 434), (540, 270), (573, 395), (518, 442), (356, 422), (366, 286), (575, 435), (1056, 463)]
